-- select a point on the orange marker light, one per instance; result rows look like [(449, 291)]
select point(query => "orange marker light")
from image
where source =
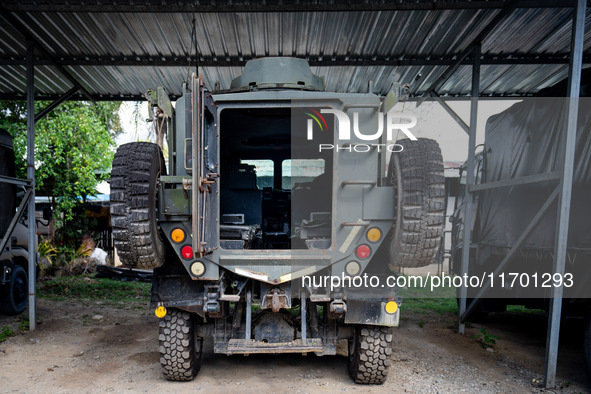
[(177, 235), (374, 234), (391, 307), (160, 312)]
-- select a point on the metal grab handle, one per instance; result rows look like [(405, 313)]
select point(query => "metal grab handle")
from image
[(358, 183), (353, 224)]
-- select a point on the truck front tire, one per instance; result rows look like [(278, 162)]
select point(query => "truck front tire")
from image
[(13, 295)]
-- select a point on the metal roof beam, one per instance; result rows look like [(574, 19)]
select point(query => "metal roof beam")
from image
[(182, 61), (79, 97), (452, 113), (454, 96), (272, 6), (477, 41), (24, 31), (56, 103)]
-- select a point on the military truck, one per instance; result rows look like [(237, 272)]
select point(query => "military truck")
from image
[(268, 199), (527, 140), (14, 254)]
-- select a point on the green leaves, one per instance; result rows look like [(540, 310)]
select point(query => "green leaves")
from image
[(485, 338), (5, 333), (73, 143)]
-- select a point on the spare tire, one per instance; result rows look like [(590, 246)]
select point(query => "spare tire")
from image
[(417, 175), (137, 168)]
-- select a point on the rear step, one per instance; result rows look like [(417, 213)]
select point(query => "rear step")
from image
[(247, 346)]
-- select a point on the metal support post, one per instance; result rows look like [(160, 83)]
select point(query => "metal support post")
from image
[(56, 103), (451, 113), (469, 182), (304, 318), (13, 181), (31, 178), (248, 329), (564, 199)]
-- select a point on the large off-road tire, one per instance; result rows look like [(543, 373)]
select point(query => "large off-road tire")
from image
[(137, 167), (417, 175), (180, 350), (13, 295), (369, 354)]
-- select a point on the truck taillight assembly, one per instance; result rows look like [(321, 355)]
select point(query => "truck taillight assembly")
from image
[(177, 235), (352, 268), (363, 251), (374, 234), (198, 268), (187, 252)]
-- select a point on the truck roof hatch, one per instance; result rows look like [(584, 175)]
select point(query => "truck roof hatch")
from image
[(277, 73)]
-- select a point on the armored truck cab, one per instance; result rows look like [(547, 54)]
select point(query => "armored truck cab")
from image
[(280, 201)]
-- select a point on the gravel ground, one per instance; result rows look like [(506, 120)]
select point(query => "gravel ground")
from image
[(91, 346)]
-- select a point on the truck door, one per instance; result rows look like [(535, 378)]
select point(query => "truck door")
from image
[(205, 172)]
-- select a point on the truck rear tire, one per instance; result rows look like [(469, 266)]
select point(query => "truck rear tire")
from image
[(13, 295), (137, 167), (417, 175), (369, 354), (180, 351)]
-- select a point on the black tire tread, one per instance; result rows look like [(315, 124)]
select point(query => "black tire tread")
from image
[(8, 304), (370, 361), (422, 203), (177, 346), (136, 238)]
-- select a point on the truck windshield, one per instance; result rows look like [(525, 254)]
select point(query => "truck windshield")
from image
[(300, 171), (264, 172)]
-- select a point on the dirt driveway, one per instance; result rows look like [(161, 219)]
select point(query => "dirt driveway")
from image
[(90, 346)]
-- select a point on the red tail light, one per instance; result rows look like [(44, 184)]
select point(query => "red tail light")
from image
[(363, 251), (187, 252)]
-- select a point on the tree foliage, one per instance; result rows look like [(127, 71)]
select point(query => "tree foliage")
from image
[(74, 147)]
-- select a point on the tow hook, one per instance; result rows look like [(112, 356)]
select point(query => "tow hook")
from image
[(338, 308), (212, 306), (275, 300)]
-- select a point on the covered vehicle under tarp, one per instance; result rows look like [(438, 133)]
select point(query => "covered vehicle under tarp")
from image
[(527, 139)]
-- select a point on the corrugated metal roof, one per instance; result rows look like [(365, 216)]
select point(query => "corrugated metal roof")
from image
[(120, 55)]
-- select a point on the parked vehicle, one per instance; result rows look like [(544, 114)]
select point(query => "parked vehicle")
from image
[(14, 256), (526, 141), (265, 193)]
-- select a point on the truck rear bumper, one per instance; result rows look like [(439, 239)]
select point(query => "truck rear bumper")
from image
[(247, 346)]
